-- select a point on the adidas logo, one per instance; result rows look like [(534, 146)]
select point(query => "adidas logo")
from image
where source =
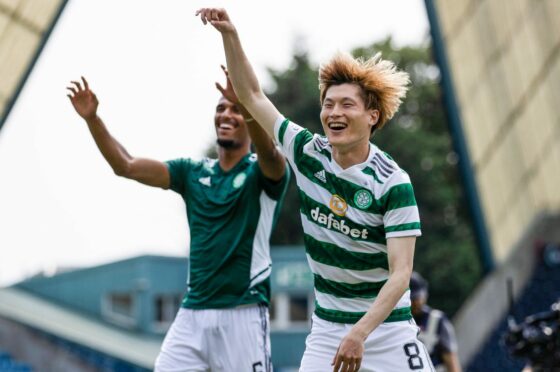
[(321, 176), (205, 181)]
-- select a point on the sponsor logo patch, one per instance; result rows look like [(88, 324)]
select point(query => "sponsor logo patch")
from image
[(338, 205), (331, 223)]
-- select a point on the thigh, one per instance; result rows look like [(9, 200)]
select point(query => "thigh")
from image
[(321, 345), (395, 347), (183, 347), (242, 341)]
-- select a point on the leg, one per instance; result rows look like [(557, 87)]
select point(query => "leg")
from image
[(395, 347), (182, 348), (242, 340), (321, 345)]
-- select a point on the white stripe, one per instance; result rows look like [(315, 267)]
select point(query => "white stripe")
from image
[(327, 301), (397, 178), (401, 234), (331, 302), (345, 275), (260, 260), (323, 196), (401, 215), (339, 239)]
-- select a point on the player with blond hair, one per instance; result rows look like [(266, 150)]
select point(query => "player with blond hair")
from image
[(358, 210)]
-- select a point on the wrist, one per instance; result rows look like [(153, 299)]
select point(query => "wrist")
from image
[(360, 332), (92, 119)]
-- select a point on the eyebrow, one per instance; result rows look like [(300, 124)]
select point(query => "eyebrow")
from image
[(342, 99)]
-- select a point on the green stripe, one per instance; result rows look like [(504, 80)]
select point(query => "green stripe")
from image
[(348, 317), (370, 172), (403, 227), (308, 166), (375, 234), (347, 290), (282, 131), (398, 196), (332, 255)]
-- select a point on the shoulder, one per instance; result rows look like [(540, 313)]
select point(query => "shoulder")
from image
[(384, 169)]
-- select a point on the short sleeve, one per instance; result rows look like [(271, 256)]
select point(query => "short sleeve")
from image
[(178, 174), (291, 138), (274, 189), (401, 217)]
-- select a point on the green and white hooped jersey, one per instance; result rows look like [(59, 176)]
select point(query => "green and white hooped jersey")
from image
[(231, 216), (347, 217)]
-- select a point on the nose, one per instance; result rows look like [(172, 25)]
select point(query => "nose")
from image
[(335, 111)]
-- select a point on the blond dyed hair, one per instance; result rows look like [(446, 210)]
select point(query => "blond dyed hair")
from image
[(383, 87)]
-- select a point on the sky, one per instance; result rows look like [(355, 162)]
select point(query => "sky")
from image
[(152, 65)]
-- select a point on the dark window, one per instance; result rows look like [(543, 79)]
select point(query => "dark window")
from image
[(299, 308)]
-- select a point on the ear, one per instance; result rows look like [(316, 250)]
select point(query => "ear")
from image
[(373, 117)]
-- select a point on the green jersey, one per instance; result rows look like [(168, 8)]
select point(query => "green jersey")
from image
[(231, 215), (347, 217)]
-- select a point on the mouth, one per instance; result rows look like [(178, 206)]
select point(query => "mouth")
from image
[(336, 126), (226, 126)]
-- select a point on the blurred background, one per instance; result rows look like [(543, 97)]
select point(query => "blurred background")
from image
[(93, 267)]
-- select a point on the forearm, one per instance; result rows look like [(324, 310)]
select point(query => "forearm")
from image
[(115, 154), (241, 72), (384, 303), (270, 160), (246, 84)]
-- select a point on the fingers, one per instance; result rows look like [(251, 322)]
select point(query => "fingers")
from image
[(221, 89), (77, 84), (224, 69), (86, 85), (211, 15), (337, 363), (72, 89)]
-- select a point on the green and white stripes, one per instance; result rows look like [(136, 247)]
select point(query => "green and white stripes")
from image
[(347, 216)]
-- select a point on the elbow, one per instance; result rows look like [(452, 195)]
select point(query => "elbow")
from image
[(122, 170), (247, 97)]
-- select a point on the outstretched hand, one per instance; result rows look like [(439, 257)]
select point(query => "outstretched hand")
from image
[(217, 17), (228, 91), (83, 99)]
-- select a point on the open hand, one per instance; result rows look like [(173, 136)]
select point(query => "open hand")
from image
[(217, 17), (228, 91), (83, 99), (348, 357)]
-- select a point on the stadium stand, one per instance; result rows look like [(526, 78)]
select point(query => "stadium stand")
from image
[(542, 290)]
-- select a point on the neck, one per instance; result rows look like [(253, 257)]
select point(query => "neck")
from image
[(347, 157), (229, 157)]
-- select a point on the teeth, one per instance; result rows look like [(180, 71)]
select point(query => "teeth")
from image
[(337, 125), (226, 126)]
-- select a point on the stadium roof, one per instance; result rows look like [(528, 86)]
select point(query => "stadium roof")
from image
[(29, 310), (25, 26)]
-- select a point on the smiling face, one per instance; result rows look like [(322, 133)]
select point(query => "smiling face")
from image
[(346, 121), (231, 129)]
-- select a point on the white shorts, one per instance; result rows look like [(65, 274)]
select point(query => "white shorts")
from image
[(391, 347), (217, 340)]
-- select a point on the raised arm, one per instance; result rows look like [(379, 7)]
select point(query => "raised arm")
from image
[(147, 171), (271, 162), (400, 252), (241, 72)]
